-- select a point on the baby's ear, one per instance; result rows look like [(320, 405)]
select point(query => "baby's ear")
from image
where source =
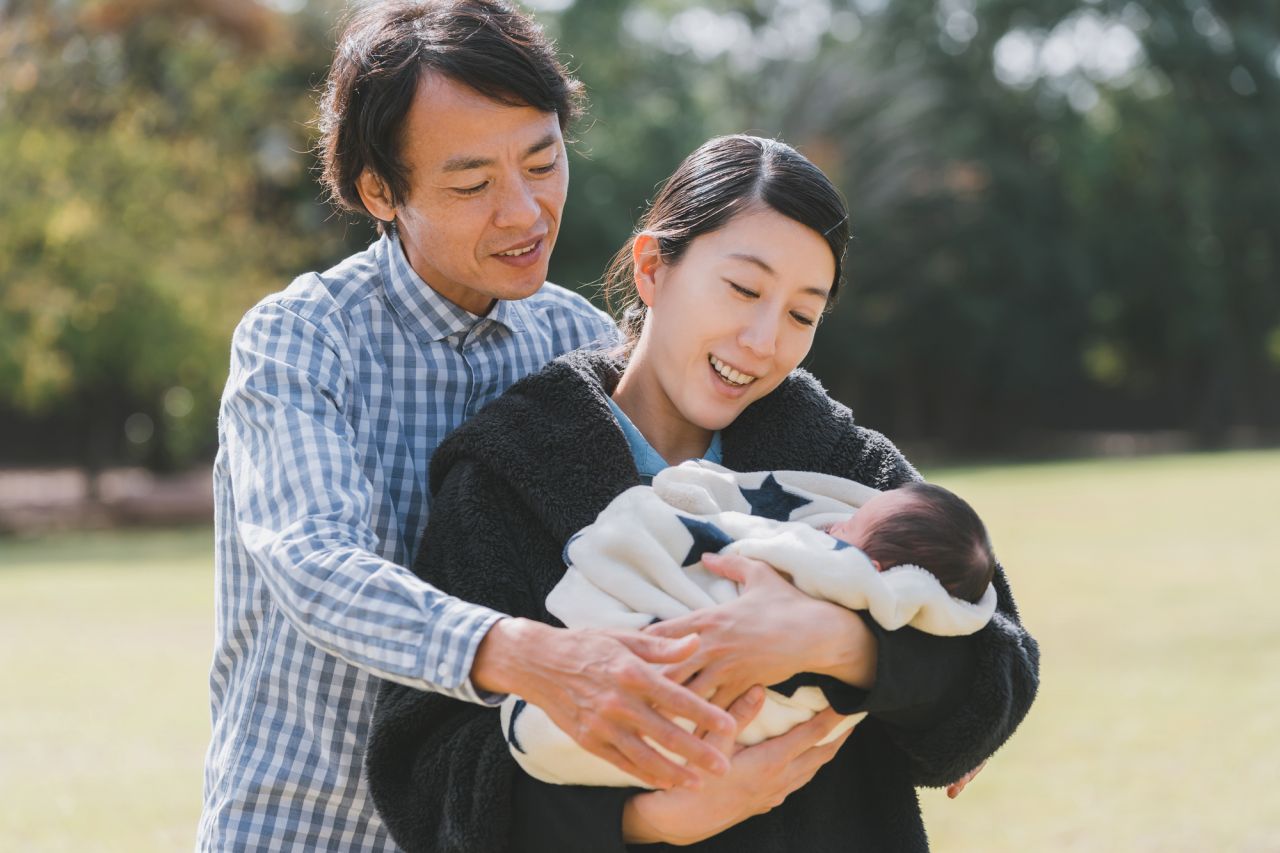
[(875, 564)]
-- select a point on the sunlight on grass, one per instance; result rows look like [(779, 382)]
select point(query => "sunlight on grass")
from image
[(105, 642), (1151, 585)]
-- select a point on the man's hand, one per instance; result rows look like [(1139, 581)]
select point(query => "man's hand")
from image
[(599, 688), (768, 634), (761, 778), (954, 789)]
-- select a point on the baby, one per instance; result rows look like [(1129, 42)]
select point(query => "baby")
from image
[(918, 556), (928, 526)]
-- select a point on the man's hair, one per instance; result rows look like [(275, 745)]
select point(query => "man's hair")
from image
[(941, 533), (386, 48)]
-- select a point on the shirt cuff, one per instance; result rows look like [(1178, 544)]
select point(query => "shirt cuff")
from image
[(449, 670)]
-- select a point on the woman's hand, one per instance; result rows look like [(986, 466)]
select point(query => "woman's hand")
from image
[(760, 777), (954, 789), (766, 635)]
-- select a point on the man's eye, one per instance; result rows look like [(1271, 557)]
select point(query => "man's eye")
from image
[(545, 170), (472, 190)]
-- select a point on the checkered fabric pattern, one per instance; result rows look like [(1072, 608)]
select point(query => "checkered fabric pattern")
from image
[(341, 387)]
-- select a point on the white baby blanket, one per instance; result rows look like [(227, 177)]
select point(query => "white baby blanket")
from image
[(640, 562)]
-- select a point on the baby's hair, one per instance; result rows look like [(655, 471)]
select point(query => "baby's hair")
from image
[(941, 533)]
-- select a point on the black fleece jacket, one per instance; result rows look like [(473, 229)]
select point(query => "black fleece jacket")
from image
[(514, 483)]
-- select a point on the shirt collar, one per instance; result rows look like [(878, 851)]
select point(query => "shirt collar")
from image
[(432, 316), (648, 461)]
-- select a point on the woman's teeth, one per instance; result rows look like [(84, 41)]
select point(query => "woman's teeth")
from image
[(728, 374), (515, 253)]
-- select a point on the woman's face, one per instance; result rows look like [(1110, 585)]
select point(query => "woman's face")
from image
[(733, 316)]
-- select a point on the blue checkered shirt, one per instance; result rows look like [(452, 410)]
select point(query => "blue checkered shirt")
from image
[(341, 388)]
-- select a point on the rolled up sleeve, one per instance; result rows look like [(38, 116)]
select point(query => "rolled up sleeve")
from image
[(304, 501)]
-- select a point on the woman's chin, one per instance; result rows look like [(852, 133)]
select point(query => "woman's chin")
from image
[(718, 416)]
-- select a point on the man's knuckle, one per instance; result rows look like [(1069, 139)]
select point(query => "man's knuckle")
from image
[(630, 675)]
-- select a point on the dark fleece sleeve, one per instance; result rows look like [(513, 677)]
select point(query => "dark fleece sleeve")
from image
[(947, 702), (439, 769)]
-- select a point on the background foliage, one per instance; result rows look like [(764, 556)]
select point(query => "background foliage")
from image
[(1066, 213)]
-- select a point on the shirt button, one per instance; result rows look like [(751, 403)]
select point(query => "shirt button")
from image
[(442, 670)]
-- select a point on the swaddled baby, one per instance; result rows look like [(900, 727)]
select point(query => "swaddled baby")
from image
[(917, 555)]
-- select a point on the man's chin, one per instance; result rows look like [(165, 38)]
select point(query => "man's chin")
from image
[(524, 288)]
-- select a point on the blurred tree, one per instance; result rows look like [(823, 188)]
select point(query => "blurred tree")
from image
[(1065, 214), (153, 187)]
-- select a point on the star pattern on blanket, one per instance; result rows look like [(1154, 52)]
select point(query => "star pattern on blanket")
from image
[(511, 725), (773, 501), (707, 538)]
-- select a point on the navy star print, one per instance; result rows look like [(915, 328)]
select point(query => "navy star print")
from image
[(773, 501), (707, 538)]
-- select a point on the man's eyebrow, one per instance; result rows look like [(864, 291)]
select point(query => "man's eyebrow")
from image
[(760, 262), (463, 164)]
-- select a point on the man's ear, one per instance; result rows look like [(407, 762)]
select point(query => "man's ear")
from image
[(646, 262), (376, 196)]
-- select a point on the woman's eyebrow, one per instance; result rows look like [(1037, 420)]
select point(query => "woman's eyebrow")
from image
[(464, 163), (760, 262), (754, 259)]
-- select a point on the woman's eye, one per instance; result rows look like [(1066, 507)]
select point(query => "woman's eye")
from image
[(803, 320), (750, 294), (472, 190)]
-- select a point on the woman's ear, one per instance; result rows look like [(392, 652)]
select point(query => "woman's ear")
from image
[(646, 261), (376, 196)]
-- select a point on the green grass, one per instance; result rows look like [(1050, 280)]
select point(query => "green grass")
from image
[(1151, 584), (105, 642)]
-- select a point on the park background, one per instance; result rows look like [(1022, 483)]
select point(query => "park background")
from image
[(1063, 301)]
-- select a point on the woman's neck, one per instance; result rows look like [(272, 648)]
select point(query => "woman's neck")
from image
[(642, 399)]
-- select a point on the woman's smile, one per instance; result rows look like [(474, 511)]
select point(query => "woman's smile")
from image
[(732, 376)]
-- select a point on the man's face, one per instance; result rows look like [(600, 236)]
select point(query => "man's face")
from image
[(487, 185)]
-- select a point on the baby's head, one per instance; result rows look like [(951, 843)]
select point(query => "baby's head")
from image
[(927, 526)]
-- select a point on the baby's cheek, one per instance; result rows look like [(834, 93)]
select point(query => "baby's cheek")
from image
[(840, 531)]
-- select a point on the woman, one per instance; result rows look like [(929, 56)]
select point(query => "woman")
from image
[(732, 268)]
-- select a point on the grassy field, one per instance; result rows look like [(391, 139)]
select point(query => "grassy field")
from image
[(1152, 585)]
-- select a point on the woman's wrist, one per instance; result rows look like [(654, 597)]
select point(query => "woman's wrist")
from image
[(636, 827), (847, 648)]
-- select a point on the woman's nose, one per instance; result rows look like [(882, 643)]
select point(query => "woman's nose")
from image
[(760, 336)]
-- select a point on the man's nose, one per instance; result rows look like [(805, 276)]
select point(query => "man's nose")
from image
[(518, 207)]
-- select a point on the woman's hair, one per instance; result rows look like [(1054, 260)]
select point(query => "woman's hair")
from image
[(725, 177), (383, 52), (942, 534)]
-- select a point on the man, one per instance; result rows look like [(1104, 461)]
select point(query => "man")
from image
[(444, 122)]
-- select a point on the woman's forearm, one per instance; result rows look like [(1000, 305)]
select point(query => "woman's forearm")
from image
[(843, 648)]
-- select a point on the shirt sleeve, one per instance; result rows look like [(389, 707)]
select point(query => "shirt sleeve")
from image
[(303, 507)]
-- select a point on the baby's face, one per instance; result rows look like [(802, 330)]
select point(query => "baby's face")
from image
[(856, 529)]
